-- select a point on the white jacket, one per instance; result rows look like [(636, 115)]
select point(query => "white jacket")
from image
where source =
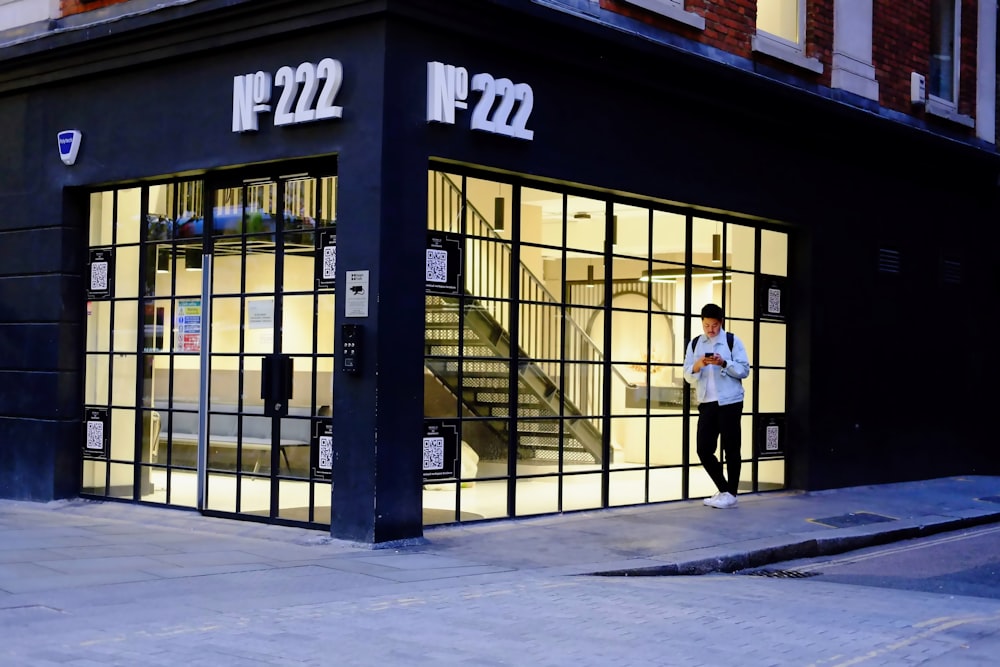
[(728, 380)]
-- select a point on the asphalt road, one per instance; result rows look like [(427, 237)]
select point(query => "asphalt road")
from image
[(964, 563)]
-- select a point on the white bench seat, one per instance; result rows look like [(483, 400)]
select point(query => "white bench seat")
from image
[(260, 445)]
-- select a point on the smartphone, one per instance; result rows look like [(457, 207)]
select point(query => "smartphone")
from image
[(709, 355)]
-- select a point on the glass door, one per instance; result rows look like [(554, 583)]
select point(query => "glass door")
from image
[(209, 347), (268, 386)]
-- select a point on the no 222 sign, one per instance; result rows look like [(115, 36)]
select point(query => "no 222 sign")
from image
[(308, 93), (503, 106)]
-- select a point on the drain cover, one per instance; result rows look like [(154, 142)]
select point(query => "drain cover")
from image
[(852, 519), (781, 574)]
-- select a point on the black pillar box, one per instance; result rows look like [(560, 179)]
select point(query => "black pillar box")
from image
[(98, 432), (440, 449), (769, 434)]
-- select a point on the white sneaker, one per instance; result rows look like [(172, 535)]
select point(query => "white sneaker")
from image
[(710, 500), (722, 501)]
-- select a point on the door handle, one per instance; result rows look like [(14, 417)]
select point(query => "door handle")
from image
[(266, 378), (277, 374), (288, 388)]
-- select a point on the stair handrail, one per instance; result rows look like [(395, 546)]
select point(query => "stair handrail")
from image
[(481, 219)]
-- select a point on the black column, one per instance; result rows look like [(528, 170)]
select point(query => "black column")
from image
[(378, 411), (41, 330)]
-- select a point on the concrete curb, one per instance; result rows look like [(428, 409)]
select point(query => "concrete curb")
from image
[(811, 547)]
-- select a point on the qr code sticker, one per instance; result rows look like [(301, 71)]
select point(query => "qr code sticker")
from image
[(774, 300), (434, 453), (437, 266), (326, 452), (95, 435), (329, 262), (771, 439), (99, 276)]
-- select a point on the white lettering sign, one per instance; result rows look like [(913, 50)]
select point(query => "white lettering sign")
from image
[(308, 93), (503, 106), (260, 314)]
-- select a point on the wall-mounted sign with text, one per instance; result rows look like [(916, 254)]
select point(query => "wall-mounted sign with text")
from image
[(772, 298), (188, 325), (443, 263), (440, 448), (321, 456), (98, 433), (326, 257), (102, 268), (503, 107), (769, 433), (308, 94), (356, 294)]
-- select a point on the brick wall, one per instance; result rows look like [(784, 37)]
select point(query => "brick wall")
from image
[(967, 75), (900, 32), (68, 7), (901, 40), (819, 35), (902, 44), (730, 25), (727, 26)]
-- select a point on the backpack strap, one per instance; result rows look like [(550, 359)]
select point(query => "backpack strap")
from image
[(730, 337)]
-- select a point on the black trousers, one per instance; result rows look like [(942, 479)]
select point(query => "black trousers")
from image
[(715, 421)]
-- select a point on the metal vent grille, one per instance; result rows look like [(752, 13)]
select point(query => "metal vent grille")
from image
[(951, 272), (780, 574), (888, 261)]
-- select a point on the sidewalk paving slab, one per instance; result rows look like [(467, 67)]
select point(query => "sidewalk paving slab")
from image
[(46, 547)]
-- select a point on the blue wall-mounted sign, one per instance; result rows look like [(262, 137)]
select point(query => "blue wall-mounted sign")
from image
[(69, 145)]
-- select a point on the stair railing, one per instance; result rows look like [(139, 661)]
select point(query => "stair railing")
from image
[(488, 264)]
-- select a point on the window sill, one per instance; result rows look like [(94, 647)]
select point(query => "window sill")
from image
[(671, 11), (948, 112), (785, 52)]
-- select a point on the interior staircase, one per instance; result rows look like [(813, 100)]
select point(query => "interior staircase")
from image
[(482, 381), (469, 348)]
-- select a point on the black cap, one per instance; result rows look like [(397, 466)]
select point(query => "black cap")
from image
[(713, 311)]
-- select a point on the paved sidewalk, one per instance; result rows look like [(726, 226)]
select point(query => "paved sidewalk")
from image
[(689, 538), (88, 584), (65, 544)]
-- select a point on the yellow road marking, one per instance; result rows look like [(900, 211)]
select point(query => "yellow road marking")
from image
[(942, 624)]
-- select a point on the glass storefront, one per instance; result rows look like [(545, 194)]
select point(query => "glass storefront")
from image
[(557, 362), (553, 354), (210, 345)]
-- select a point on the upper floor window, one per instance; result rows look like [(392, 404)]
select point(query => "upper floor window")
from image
[(781, 32), (17, 13), (782, 19), (945, 26), (672, 9)]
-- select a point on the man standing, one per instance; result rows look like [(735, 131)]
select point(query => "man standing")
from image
[(716, 364)]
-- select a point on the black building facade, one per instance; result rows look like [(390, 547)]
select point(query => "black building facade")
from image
[(370, 266)]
